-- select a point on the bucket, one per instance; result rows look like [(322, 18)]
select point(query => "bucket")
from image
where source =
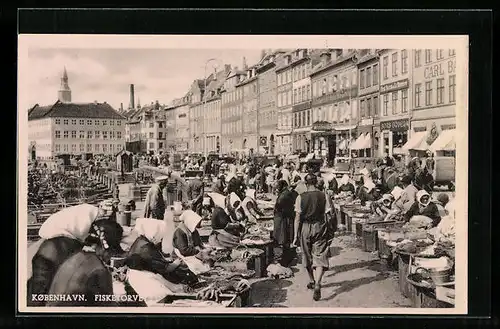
[(439, 276)]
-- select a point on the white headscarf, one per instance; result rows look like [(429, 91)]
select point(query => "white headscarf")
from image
[(233, 199), (397, 192), (152, 229), (369, 185), (190, 219), (364, 172), (421, 194), (73, 222), (250, 193), (218, 199), (345, 179)]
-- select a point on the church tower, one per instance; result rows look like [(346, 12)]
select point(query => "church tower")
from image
[(64, 93)]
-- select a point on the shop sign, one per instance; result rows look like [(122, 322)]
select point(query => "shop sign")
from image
[(336, 96), (395, 125), (433, 134), (302, 106), (322, 126), (393, 86), (366, 122), (263, 141), (419, 129), (440, 69), (448, 127)]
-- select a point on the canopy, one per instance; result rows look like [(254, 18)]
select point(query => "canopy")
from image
[(416, 142), (359, 141), (366, 142), (444, 142)]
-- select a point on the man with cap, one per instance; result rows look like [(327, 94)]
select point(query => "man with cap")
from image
[(312, 231), (195, 193), (154, 205), (175, 189)]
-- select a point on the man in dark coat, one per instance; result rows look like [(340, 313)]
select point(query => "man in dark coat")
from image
[(195, 193), (284, 214)]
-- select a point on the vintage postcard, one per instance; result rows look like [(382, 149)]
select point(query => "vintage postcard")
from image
[(242, 173)]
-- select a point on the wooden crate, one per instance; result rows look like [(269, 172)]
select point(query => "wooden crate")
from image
[(405, 287), (370, 239)]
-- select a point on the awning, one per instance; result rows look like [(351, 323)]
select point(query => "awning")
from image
[(366, 143), (416, 142), (444, 142), (358, 143)]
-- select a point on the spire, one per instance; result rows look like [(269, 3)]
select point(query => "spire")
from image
[(65, 74), (64, 94), (245, 66)]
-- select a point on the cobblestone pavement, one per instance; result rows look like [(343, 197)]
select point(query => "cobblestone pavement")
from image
[(355, 279)]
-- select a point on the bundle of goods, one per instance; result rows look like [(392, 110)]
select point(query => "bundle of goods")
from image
[(412, 246), (226, 271), (259, 230), (278, 271), (263, 197), (250, 239)]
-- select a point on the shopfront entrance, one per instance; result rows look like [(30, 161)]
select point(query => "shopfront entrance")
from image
[(394, 136)]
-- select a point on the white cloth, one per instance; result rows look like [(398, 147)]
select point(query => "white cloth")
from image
[(149, 286), (344, 180), (397, 192), (218, 199), (161, 178), (152, 229), (190, 219), (250, 193), (364, 172), (421, 194), (450, 209), (195, 265), (73, 222), (234, 199), (369, 185)]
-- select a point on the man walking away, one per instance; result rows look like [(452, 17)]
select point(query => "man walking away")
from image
[(312, 232), (154, 205)]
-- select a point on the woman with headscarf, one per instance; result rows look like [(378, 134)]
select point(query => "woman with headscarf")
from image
[(383, 206), (145, 254), (346, 186), (226, 227), (368, 192), (88, 272), (396, 207), (424, 207), (441, 202), (187, 241), (284, 216), (250, 207), (63, 234)]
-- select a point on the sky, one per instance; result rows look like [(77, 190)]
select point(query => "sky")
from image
[(105, 74)]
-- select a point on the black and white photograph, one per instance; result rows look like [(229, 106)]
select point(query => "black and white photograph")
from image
[(223, 173)]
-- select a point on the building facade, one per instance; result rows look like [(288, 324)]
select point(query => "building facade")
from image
[(434, 93), (170, 139), (182, 124), (232, 109), (196, 116), (284, 103), (368, 132), (250, 86), (267, 110), (395, 102), (334, 103)]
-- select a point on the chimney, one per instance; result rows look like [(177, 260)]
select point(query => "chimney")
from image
[(304, 53), (253, 72), (121, 107), (325, 57), (249, 74), (132, 97)]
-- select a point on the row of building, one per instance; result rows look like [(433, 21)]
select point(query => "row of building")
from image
[(322, 101)]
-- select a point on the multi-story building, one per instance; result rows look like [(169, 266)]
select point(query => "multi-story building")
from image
[(333, 118), (267, 110), (250, 86), (196, 116), (71, 128), (284, 101), (395, 88), (434, 95), (368, 94), (232, 110), (182, 135), (170, 140)]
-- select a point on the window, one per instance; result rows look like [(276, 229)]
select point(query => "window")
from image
[(362, 79), (395, 102), (368, 107), (112, 148), (160, 135), (58, 134), (105, 147), (104, 122), (295, 120), (151, 135), (369, 77), (418, 94), (439, 54), (295, 100), (308, 88), (404, 100), (111, 122), (65, 134), (386, 64), (362, 108), (394, 64), (73, 121), (375, 74), (73, 147), (428, 56), (160, 145), (58, 148), (65, 122), (73, 134), (440, 91), (304, 118), (89, 147), (89, 135), (428, 93), (112, 135), (89, 122), (375, 106), (82, 134), (97, 134), (386, 104), (418, 55), (97, 122), (451, 52), (58, 122), (119, 147), (82, 122), (82, 147), (452, 88), (404, 61), (96, 147), (152, 124), (66, 148)]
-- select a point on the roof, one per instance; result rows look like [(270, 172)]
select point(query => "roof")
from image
[(74, 110), (330, 64)]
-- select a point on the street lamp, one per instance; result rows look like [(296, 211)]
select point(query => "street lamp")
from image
[(204, 100)]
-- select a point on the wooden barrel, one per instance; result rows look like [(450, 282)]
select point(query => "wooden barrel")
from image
[(124, 218)]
